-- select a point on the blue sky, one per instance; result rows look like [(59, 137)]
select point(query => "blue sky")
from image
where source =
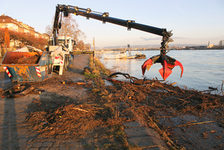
[(192, 21)]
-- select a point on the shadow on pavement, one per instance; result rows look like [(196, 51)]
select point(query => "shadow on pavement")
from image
[(9, 127)]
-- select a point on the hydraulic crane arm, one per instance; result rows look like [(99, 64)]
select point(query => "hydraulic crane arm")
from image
[(67, 9), (167, 62)]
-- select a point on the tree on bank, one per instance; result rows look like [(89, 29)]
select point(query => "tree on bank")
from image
[(70, 28)]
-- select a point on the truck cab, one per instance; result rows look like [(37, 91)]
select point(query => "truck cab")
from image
[(67, 41), (61, 53)]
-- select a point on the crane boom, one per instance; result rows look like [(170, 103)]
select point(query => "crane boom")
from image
[(68, 9)]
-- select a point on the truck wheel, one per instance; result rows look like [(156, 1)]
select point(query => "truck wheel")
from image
[(65, 66), (66, 63)]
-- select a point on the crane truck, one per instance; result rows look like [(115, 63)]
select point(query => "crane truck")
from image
[(167, 62)]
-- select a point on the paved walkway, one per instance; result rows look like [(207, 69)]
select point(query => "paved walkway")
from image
[(13, 133), (143, 137)]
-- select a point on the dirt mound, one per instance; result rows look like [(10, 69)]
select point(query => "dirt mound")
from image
[(27, 60), (24, 60)]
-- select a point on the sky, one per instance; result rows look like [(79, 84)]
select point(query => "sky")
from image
[(191, 21)]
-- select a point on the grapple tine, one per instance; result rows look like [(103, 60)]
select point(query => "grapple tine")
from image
[(146, 64), (167, 62), (177, 63)]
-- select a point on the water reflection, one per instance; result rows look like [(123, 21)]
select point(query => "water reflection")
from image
[(202, 68)]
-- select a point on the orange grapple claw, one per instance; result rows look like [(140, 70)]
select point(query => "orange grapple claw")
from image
[(167, 62)]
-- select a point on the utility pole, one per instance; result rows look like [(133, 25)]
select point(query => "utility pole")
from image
[(94, 44), (94, 48)]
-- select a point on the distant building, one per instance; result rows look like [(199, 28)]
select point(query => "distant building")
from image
[(210, 45), (14, 25), (221, 43)]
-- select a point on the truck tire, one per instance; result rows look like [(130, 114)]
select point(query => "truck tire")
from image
[(66, 63)]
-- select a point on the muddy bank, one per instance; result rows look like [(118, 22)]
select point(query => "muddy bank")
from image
[(184, 118), (80, 107)]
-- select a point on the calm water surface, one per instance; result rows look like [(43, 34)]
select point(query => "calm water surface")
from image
[(202, 68)]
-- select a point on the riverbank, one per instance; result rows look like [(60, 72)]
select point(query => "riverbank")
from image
[(84, 109), (200, 73)]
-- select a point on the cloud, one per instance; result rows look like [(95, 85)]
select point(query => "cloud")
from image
[(160, 38), (180, 38), (150, 38)]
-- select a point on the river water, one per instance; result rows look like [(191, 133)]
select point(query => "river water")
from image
[(202, 68)]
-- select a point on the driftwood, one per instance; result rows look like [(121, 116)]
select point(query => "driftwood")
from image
[(132, 79), (23, 93), (80, 109), (17, 90), (126, 75), (137, 81), (192, 124)]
